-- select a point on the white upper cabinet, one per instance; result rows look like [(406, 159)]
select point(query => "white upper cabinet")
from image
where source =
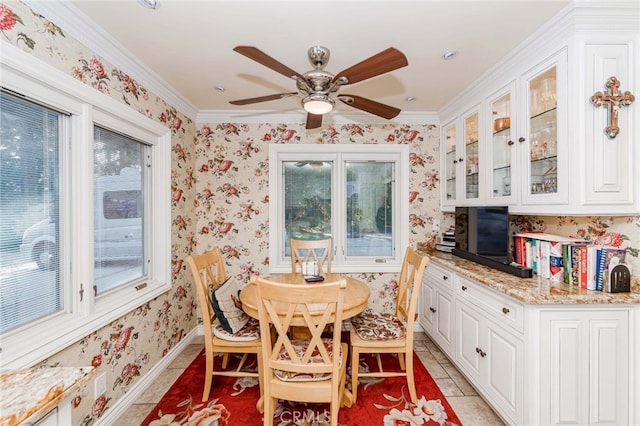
[(542, 140), (533, 140), (502, 130), (449, 164), (471, 155), (460, 162)]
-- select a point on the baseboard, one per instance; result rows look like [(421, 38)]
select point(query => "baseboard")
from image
[(111, 416)]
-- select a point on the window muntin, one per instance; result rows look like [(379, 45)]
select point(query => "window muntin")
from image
[(30, 138), (300, 176)]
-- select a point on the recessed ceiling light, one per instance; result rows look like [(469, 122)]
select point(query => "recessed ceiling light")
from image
[(410, 98), (151, 4), (220, 88), (449, 55)]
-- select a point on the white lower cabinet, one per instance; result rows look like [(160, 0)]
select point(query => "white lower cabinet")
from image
[(492, 359), (436, 306), (584, 367), (564, 364)]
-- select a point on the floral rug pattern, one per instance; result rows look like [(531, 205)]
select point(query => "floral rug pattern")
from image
[(232, 402)]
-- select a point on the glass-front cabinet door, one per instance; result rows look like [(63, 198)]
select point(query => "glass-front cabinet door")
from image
[(546, 174), (502, 144), (451, 160), (471, 156), (543, 133)]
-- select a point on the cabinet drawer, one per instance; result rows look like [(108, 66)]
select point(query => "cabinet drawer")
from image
[(506, 310), (438, 276)]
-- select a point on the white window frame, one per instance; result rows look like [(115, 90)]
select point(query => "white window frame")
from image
[(339, 154), (36, 80)]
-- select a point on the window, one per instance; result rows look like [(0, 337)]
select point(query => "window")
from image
[(357, 194), (118, 210), (84, 206)]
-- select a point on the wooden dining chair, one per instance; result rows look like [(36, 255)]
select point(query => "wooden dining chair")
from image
[(390, 333), (303, 370), (210, 278), (316, 251)]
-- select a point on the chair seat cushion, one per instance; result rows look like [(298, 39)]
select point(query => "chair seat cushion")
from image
[(300, 347), (225, 300), (381, 326), (250, 331)]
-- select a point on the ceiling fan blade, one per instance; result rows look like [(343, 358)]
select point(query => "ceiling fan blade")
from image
[(373, 107), (380, 63), (266, 60), (262, 98), (313, 121)]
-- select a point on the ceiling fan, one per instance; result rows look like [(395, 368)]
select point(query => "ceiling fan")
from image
[(319, 88)]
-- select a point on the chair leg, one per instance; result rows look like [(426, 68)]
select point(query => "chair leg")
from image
[(260, 403), (401, 357), (208, 376), (355, 365), (225, 360), (410, 379), (379, 360), (335, 409), (269, 410)]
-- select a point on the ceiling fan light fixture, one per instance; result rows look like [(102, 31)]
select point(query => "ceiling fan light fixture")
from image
[(317, 104)]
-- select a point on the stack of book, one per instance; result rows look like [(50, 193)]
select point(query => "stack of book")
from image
[(447, 241), (573, 261)]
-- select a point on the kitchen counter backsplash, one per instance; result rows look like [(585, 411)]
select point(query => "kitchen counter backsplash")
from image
[(533, 291)]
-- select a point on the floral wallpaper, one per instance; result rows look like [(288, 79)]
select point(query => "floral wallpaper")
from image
[(219, 186), (231, 202), (131, 346)]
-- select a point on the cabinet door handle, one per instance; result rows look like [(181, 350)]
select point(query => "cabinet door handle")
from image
[(481, 352), (464, 288), (432, 310), (521, 139), (444, 277), (460, 160), (510, 143), (455, 161), (505, 310)]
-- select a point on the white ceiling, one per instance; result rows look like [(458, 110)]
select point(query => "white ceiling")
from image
[(188, 44)]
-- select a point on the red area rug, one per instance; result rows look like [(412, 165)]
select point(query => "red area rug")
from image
[(233, 401)]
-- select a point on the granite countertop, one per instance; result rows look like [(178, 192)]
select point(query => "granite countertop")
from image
[(31, 393), (533, 291)]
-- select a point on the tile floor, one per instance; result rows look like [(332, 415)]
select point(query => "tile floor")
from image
[(468, 405)]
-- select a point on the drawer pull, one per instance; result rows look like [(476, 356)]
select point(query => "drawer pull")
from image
[(505, 310), (464, 288), (481, 352), (432, 310)]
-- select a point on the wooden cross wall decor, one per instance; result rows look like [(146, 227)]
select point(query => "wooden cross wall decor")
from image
[(612, 100)]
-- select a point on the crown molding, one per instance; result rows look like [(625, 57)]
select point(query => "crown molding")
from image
[(578, 17), (79, 26)]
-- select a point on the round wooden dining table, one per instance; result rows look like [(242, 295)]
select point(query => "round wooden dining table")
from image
[(356, 294), (356, 297)]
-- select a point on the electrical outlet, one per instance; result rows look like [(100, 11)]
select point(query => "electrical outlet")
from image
[(100, 385), (436, 225)]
